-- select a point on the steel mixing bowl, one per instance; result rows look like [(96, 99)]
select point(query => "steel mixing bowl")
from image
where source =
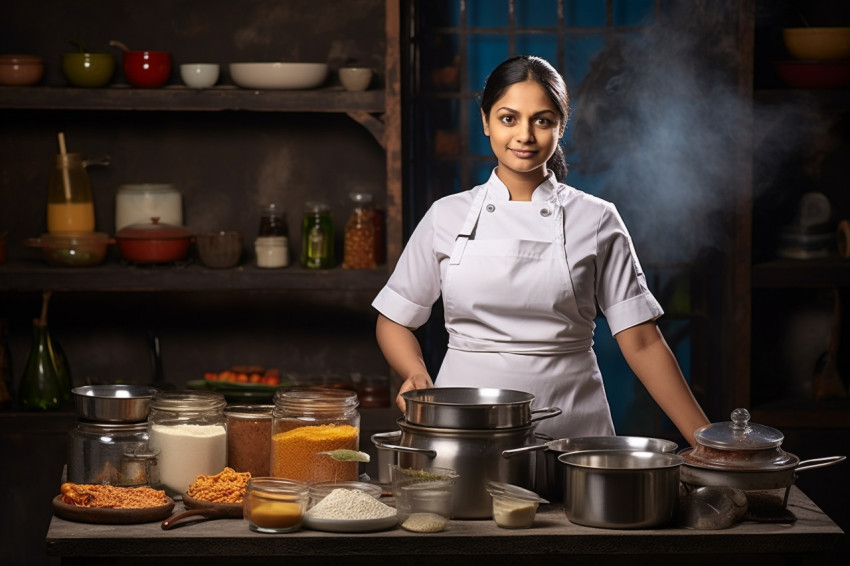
[(113, 403)]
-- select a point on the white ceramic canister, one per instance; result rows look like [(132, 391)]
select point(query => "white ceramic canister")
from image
[(138, 203), (188, 429)]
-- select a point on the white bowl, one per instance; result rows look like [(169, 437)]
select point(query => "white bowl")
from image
[(199, 75), (278, 75), (355, 78)]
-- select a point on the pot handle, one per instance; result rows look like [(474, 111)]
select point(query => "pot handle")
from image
[(522, 449), (378, 439), (548, 413), (818, 463)]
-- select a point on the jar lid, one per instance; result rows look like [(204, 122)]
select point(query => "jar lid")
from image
[(188, 401), (499, 489), (249, 411), (738, 434), (319, 399), (154, 230), (147, 188), (99, 427)]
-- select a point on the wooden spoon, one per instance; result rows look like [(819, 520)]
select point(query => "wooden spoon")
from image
[(199, 510)]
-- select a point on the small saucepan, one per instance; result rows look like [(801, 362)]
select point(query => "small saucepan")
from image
[(153, 242)]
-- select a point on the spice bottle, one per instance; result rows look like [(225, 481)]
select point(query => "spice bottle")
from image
[(359, 250), (309, 422), (249, 435), (189, 431), (317, 237)]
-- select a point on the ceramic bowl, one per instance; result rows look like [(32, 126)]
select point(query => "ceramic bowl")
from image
[(147, 69), (355, 78), (20, 70), (199, 75), (283, 76), (220, 250), (72, 249), (818, 43), (90, 70)]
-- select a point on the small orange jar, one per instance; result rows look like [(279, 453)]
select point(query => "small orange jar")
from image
[(274, 505)]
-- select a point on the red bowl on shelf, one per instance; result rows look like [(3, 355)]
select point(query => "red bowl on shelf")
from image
[(814, 74), (147, 69)]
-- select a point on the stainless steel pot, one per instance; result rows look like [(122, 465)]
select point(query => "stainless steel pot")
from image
[(621, 489), (476, 455), (550, 477), (472, 408)]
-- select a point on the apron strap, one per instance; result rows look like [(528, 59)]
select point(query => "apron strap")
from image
[(468, 227)]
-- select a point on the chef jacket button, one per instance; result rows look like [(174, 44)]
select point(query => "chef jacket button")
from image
[(491, 208), (544, 212)]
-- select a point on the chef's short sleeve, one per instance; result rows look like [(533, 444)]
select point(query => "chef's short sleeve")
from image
[(621, 289), (414, 285)]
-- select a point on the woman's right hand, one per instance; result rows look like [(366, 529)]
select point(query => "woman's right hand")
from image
[(416, 381)]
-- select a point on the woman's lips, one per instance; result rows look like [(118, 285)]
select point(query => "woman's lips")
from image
[(523, 153)]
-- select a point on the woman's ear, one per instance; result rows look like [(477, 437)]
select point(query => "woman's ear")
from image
[(484, 123)]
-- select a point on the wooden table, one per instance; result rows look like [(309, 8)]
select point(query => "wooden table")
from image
[(813, 537)]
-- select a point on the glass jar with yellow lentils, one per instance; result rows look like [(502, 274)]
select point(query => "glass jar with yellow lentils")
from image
[(307, 423)]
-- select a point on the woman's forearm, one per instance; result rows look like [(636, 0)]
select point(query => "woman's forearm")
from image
[(650, 358), (404, 355)]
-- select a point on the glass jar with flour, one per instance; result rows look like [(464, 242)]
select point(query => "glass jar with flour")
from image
[(188, 429)]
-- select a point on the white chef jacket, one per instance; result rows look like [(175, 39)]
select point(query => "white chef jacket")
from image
[(521, 282)]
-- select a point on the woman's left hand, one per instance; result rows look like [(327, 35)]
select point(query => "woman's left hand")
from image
[(412, 383)]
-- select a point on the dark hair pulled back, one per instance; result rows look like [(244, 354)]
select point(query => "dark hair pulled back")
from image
[(520, 69)]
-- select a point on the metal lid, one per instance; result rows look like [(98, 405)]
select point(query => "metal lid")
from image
[(738, 434)]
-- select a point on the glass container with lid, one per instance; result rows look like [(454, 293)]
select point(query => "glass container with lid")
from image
[(739, 444), (317, 237), (272, 221), (188, 429), (359, 248), (308, 423)]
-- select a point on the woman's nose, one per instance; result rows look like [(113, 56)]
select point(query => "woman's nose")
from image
[(525, 133)]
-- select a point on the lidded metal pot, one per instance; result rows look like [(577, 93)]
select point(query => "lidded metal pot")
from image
[(472, 431)]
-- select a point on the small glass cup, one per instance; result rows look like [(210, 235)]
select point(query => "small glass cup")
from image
[(513, 507), (423, 498), (273, 505)]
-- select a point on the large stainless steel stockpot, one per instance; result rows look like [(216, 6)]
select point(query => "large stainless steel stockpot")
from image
[(476, 455), (471, 408), (621, 489), (550, 476)]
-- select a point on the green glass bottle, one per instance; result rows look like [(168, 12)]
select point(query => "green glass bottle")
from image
[(317, 237), (40, 388)]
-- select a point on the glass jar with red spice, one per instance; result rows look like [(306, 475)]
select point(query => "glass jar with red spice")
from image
[(307, 424)]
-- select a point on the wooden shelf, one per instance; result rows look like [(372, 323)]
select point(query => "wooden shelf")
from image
[(33, 275), (185, 99), (803, 273)]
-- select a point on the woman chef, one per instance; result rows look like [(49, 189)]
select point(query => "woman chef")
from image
[(522, 262)]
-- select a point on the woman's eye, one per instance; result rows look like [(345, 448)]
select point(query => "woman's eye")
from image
[(507, 119), (545, 122)]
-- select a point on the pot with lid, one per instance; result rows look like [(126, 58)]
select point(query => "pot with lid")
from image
[(744, 455), (153, 242)]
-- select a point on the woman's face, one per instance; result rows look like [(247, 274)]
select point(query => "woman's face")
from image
[(524, 127)]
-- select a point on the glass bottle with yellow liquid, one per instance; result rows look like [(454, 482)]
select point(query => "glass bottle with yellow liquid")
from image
[(69, 196)]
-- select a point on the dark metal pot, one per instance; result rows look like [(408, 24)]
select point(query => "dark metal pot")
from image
[(153, 242), (472, 408), (549, 482), (621, 489), (476, 455)]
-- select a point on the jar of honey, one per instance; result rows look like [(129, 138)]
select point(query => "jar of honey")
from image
[(307, 423)]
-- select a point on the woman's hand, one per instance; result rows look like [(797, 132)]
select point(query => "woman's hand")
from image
[(412, 383)]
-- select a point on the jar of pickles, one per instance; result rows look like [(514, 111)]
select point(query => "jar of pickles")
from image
[(307, 424), (317, 237), (189, 431), (359, 249)]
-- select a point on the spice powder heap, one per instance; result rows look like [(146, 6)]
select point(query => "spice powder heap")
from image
[(342, 504)]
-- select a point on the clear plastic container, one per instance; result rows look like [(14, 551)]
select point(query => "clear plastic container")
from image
[(514, 507), (306, 423), (189, 430), (273, 505)]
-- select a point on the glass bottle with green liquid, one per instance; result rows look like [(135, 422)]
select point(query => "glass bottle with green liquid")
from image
[(317, 237), (46, 382)]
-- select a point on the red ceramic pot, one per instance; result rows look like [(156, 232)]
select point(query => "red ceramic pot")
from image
[(147, 69), (153, 242)]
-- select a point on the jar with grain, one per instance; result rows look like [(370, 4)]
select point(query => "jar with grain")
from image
[(189, 431), (308, 422), (249, 436), (359, 250)]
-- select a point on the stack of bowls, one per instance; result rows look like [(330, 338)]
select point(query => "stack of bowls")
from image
[(821, 57)]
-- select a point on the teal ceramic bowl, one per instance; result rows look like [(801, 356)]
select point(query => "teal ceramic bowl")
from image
[(89, 70)]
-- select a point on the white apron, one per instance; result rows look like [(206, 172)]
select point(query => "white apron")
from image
[(511, 315)]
